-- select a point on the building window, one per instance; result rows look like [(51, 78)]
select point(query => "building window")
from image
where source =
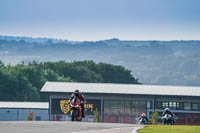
[(135, 107), (187, 106), (165, 105), (149, 104), (177, 105), (174, 105), (195, 106), (142, 106), (159, 105), (170, 104), (127, 110), (181, 106), (123, 111)]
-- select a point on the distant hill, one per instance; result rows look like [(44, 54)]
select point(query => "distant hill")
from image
[(153, 62), (30, 39)]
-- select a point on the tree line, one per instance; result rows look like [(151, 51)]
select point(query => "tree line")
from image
[(23, 82)]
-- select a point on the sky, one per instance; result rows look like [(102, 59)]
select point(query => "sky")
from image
[(81, 20)]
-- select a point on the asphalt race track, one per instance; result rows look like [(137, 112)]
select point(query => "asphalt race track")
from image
[(64, 127)]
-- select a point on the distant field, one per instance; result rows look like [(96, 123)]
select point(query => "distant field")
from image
[(169, 129)]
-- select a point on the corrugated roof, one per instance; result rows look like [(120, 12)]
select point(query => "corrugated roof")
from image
[(121, 88), (28, 105)]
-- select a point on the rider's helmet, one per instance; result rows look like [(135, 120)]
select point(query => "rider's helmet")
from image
[(167, 109), (143, 114), (76, 92)]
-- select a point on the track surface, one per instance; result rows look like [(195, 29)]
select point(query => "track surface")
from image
[(64, 127)]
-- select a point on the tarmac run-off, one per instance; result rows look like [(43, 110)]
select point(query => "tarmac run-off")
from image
[(65, 127)]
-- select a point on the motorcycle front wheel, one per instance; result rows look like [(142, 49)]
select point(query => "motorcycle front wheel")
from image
[(73, 114)]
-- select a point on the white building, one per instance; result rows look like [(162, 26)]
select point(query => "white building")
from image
[(18, 111), (123, 103)]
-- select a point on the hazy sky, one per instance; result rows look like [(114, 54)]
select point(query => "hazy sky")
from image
[(102, 19)]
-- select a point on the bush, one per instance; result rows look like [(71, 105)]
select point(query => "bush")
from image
[(96, 115), (154, 117)]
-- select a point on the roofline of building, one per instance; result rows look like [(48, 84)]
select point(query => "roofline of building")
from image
[(49, 92), (112, 88)]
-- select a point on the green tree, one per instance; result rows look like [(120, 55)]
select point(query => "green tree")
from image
[(1, 64), (116, 74), (24, 81), (14, 86)]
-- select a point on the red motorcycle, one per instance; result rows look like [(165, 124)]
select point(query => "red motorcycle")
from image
[(76, 110)]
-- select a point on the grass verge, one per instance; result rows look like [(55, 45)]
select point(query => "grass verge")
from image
[(169, 129)]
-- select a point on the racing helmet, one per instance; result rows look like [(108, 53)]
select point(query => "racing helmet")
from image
[(143, 114), (76, 92), (167, 109)]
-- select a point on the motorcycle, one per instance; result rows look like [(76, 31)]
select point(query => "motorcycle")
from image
[(168, 119), (76, 110), (143, 121)]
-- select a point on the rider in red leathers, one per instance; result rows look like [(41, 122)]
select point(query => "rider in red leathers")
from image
[(80, 96)]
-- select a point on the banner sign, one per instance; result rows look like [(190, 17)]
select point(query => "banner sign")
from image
[(61, 106)]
